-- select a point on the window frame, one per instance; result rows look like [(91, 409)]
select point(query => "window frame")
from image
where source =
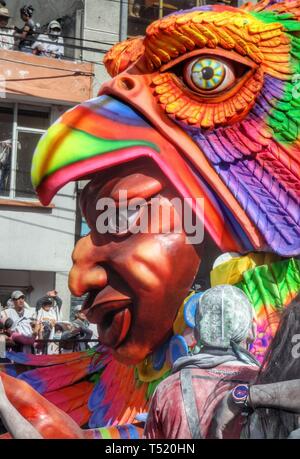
[(16, 129), (161, 6)]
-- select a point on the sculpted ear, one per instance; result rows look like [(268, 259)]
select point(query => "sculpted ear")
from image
[(123, 55)]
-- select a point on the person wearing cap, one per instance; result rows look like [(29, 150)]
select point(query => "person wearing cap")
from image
[(183, 404), (6, 34), (80, 323), (50, 44), (18, 311), (78, 329), (26, 34), (22, 319)]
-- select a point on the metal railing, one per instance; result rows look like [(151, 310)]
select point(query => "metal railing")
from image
[(66, 344)]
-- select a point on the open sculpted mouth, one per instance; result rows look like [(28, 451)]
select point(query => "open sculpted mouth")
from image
[(111, 311)]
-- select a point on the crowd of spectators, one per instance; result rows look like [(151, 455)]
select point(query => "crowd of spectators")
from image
[(29, 38), (41, 330)]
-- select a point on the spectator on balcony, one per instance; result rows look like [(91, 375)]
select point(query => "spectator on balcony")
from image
[(6, 35), (48, 313), (80, 323), (26, 34), (19, 308), (73, 334), (6, 42), (5, 332), (20, 328), (50, 44), (55, 301), (22, 339), (134, 8)]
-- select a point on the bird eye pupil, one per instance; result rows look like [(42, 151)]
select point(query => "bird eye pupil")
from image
[(207, 73)]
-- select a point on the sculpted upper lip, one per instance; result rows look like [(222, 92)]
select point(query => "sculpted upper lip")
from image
[(108, 296), (110, 311)]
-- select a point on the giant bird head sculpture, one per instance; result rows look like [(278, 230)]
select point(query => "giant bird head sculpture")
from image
[(206, 105)]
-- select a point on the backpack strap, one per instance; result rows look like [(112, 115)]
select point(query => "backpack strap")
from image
[(189, 402)]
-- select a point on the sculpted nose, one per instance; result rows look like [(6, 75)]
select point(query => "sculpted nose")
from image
[(87, 273)]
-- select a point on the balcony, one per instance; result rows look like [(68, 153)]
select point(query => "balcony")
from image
[(60, 81)]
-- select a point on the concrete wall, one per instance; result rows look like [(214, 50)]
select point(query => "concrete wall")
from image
[(39, 239), (101, 23), (39, 243)]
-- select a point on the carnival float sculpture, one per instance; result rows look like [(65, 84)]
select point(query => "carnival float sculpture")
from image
[(206, 105)]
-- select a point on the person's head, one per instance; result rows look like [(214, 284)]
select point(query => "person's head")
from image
[(46, 303), (26, 12), (46, 328), (59, 328), (4, 16), (18, 299), (224, 315), (54, 29), (8, 325), (79, 314)]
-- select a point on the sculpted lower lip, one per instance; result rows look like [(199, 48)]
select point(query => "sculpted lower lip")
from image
[(113, 319)]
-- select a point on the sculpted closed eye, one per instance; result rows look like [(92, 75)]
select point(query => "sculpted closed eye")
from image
[(120, 221), (209, 75)]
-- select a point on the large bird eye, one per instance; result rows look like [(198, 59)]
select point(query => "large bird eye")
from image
[(209, 75)]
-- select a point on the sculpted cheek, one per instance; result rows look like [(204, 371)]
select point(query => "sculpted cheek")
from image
[(152, 263), (151, 248), (147, 274)]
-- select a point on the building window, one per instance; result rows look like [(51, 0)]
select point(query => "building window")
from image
[(21, 127), (142, 12), (6, 128)]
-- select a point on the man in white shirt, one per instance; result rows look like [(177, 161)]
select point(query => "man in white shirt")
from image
[(18, 311), (21, 317), (50, 44)]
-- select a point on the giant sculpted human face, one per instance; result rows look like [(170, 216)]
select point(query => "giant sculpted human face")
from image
[(136, 282)]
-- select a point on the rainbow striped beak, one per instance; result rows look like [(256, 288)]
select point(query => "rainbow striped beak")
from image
[(103, 133), (89, 138)]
